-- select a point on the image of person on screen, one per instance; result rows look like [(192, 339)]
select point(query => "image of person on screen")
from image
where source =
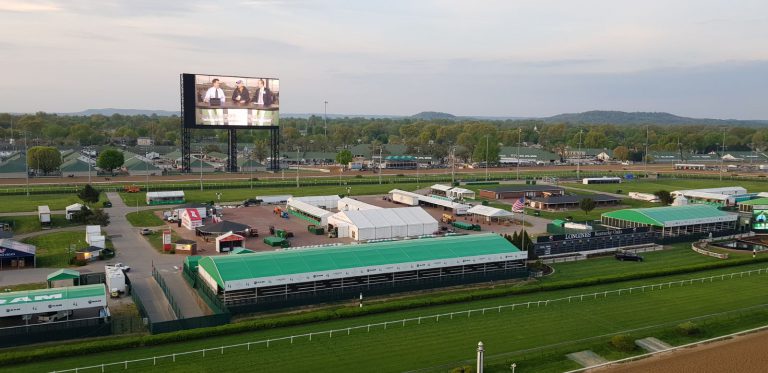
[(263, 95), (214, 96), (241, 96)]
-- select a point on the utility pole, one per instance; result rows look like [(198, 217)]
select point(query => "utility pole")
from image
[(453, 165), (88, 153), (519, 140), (486, 157), (26, 161), (418, 153), (722, 161), (578, 155), (297, 166), (647, 139), (381, 150), (146, 162), (325, 119)]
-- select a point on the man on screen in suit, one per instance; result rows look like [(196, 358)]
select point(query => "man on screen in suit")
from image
[(263, 95), (215, 116)]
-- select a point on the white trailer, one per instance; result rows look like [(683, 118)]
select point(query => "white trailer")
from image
[(115, 279), (44, 214)]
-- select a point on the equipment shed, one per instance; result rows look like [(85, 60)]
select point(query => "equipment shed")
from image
[(14, 254)]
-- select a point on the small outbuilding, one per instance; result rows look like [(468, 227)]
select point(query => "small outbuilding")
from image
[(14, 254), (191, 219), (184, 246), (73, 209), (63, 277), (228, 242)]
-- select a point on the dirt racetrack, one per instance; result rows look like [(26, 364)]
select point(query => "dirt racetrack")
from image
[(743, 354)]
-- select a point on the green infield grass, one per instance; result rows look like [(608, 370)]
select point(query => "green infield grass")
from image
[(241, 194), (447, 341), (20, 203), (53, 248), (31, 223), (652, 186), (144, 218)]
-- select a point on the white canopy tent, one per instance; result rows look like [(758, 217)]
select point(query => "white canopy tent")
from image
[(309, 210), (324, 202), (489, 213), (379, 224), (461, 193), (346, 204)]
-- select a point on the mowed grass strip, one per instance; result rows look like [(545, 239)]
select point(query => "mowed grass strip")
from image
[(144, 218), (52, 248), (23, 203), (434, 343), (652, 186), (31, 223), (241, 194)]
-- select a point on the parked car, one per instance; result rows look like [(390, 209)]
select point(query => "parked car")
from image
[(146, 231), (628, 256), (107, 204), (122, 266), (54, 316)]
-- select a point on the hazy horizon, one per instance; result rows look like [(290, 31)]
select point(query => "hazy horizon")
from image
[(697, 59)]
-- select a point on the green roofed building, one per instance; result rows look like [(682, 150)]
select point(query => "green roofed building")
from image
[(760, 203), (60, 299), (249, 282), (675, 221)]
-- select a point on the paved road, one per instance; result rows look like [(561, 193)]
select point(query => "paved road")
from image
[(135, 251)]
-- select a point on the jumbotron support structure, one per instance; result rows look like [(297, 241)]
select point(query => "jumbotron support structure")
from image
[(232, 151), (274, 159)]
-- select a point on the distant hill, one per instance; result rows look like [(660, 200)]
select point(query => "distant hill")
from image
[(621, 117), (432, 115), (110, 111)]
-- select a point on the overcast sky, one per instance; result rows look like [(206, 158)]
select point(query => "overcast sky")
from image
[(696, 58)]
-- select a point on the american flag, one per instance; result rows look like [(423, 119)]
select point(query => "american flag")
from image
[(519, 205)]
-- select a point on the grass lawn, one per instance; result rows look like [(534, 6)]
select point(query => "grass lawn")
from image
[(31, 223), (144, 218), (52, 247), (156, 239), (652, 186), (23, 287), (241, 194), (447, 342), (19, 203), (677, 255)]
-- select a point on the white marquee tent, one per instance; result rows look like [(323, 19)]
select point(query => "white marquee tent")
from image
[(379, 224)]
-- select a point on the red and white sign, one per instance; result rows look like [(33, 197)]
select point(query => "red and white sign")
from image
[(191, 219), (167, 240)]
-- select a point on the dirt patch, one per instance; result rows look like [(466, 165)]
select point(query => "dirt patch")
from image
[(747, 353)]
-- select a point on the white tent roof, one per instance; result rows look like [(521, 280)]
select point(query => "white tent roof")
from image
[(432, 200), (43, 209), (489, 211), (353, 204), (327, 201), (176, 193), (386, 217), (458, 190), (308, 208), (74, 207), (441, 187)]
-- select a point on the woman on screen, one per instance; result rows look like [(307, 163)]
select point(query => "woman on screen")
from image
[(241, 96)]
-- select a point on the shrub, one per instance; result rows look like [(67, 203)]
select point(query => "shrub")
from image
[(688, 329), (358, 176), (623, 343)]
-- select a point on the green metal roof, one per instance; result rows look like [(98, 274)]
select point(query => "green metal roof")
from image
[(41, 295), (756, 201), (64, 274), (241, 250), (277, 263), (658, 216), (74, 165), (136, 164)]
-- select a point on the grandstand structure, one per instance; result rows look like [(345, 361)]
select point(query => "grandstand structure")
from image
[(276, 279), (675, 221)]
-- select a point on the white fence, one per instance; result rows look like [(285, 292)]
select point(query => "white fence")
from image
[(420, 319), (702, 250)]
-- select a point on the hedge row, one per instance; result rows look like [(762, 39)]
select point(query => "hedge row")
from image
[(116, 343)]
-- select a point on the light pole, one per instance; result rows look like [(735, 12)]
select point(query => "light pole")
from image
[(381, 151), (201, 166), (453, 165), (418, 152), (146, 161), (486, 157), (647, 139), (325, 118), (722, 160), (519, 140), (578, 157), (87, 153), (480, 357), (297, 166), (26, 161)]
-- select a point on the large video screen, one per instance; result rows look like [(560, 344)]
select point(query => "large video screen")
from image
[(230, 101), (760, 220)]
